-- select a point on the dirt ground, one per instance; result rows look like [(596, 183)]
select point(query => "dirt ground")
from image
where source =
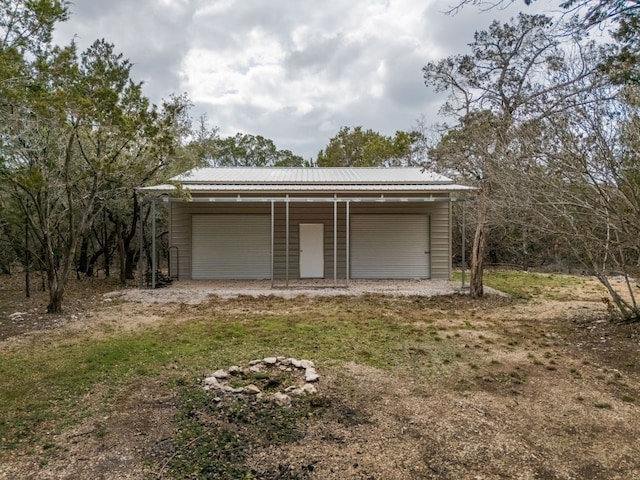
[(555, 397)]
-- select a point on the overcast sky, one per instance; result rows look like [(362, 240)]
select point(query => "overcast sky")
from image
[(294, 71)]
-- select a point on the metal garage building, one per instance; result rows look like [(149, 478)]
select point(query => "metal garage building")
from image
[(289, 224)]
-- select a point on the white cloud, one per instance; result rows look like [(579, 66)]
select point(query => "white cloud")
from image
[(291, 70)]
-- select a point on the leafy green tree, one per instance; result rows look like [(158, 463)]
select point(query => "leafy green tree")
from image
[(203, 145), (78, 136), (25, 27), (241, 150), (365, 148), (155, 154)]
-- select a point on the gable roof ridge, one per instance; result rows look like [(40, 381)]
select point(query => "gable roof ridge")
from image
[(312, 176)]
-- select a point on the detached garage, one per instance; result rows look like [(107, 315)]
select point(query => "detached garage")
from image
[(287, 224)]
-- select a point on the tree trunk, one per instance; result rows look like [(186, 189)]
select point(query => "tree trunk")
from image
[(129, 263), (92, 262), (105, 238), (129, 245), (478, 254), (55, 298), (27, 261), (525, 249), (55, 286), (83, 261), (122, 253)]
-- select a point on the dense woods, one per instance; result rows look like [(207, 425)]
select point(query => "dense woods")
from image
[(542, 119)]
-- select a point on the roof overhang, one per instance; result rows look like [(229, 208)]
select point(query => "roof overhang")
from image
[(336, 199), (282, 188), (277, 183)]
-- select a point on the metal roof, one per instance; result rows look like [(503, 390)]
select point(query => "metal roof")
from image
[(321, 180), (310, 176), (203, 188)]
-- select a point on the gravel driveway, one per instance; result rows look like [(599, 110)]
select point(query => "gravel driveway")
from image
[(195, 292)]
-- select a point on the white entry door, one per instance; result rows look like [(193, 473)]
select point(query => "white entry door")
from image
[(311, 250)]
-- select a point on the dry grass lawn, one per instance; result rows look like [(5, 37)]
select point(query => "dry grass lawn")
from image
[(542, 386)]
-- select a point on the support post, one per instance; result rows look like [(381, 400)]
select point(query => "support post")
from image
[(464, 260), (153, 244), (141, 269), (335, 243), (272, 240), (347, 242), (287, 242)]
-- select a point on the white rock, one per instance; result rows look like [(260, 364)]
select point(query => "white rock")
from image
[(237, 390), (281, 359), (220, 374), (282, 399), (309, 388), (255, 368), (310, 375), (296, 391), (270, 360), (17, 315), (255, 362), (234, 369), (296, 363), (307, 364), (251, 389), (211, 381), (285, 361)]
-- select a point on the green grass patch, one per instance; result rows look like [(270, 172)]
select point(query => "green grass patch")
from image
[(43, 387), (526, 285)]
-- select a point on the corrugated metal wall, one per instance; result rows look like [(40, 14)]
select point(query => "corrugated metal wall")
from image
[(438, 212)]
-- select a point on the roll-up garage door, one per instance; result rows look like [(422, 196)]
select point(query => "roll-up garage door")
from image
[(231, 247), (390, 246)]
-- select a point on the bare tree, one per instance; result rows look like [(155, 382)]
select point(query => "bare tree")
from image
[(621, 18), (514, 76), (591, 198)]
